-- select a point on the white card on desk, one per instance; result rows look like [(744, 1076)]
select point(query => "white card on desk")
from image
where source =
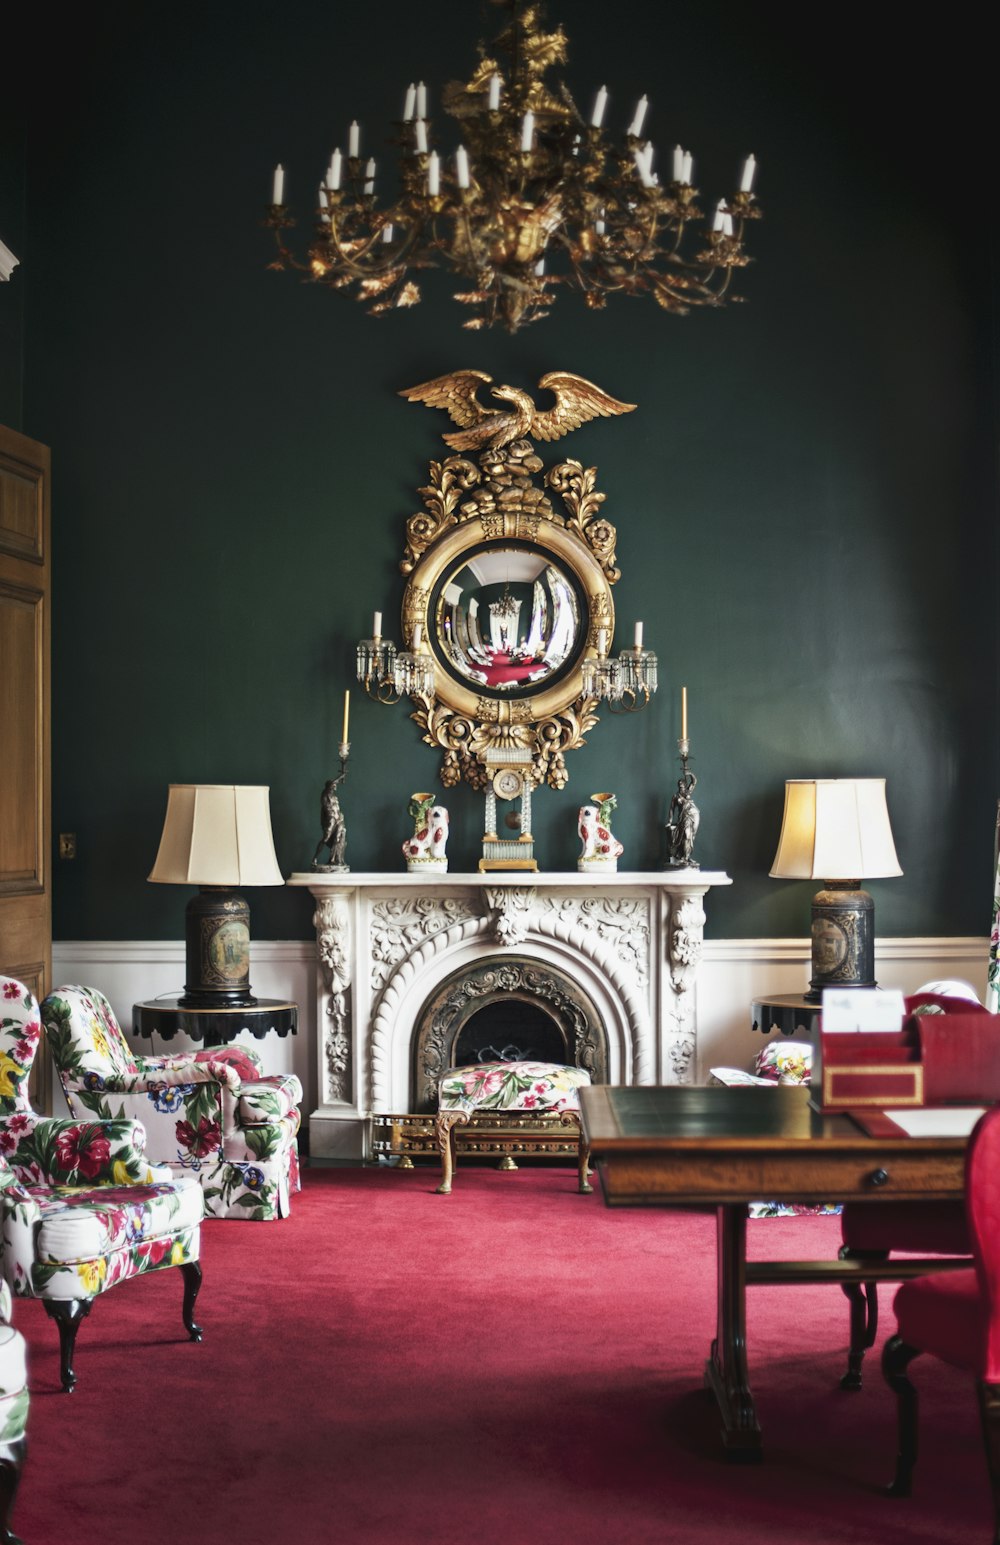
[(862, 1008), (942, 1121)]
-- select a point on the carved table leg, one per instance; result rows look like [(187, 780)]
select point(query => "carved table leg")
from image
[(726, 1371), (444, 1128)]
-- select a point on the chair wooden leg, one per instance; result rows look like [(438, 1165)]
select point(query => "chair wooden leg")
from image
[(896, 1357), (67, 1313), (191, 1272), (571, 1118), (863, 1299), (11, 1459), (444, 1128), (989, 1414)]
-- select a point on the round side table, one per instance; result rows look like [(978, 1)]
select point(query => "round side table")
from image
[(166, 1018), (788, 1013)]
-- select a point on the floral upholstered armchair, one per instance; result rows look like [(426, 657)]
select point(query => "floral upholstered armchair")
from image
[(83, 1208), (13, 1402), (208, 1113)]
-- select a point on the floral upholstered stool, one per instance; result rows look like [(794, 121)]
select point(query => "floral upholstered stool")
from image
[(510, 1107)]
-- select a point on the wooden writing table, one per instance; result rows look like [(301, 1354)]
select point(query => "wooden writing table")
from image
[(723, 1148)]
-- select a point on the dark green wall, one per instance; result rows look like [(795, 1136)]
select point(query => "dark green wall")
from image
[(12, 233), (805, 497)]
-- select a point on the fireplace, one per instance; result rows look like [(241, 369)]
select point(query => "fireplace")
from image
[(505, 1009), (418, 973)]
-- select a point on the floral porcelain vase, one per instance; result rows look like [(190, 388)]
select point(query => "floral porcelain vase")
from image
[(426, 848), (601, 848)]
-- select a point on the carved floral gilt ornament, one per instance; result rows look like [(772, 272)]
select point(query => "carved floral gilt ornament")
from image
[(508, 601)]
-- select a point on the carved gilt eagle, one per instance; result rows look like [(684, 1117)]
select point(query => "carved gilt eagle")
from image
[(576, 401)]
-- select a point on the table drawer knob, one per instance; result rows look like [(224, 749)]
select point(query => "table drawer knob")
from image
[(879, 1177)]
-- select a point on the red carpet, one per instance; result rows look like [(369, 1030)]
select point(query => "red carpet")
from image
[(511, 1365)]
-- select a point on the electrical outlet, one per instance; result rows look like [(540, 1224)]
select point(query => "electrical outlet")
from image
[(67, 844)]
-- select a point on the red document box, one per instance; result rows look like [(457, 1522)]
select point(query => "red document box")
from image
[(854, 1069)]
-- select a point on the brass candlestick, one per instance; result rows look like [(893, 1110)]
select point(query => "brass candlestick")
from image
[(332, 819)]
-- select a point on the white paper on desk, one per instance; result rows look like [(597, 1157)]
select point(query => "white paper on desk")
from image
[(944, 1121), (862, 1008)]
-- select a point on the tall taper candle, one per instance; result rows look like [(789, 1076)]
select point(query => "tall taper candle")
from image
[(684, 713), (347, 715)]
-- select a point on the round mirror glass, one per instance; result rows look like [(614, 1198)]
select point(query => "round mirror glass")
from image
[(509, 620)]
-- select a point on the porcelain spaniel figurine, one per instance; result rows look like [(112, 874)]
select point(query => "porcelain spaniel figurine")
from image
[(426, 848)]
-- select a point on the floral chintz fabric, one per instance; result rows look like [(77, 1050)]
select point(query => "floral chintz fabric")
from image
[(81, 1207), (13, 1372), (209, 1113), (521, 1086)]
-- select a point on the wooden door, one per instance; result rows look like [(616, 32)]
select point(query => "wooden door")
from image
[(25, 801)]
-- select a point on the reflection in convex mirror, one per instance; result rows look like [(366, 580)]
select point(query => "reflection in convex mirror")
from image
[(508, 620)]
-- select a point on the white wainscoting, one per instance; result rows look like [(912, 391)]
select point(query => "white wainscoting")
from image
[(732, 973)]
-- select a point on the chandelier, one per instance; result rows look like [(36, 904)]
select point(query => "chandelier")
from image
[(534, 196)]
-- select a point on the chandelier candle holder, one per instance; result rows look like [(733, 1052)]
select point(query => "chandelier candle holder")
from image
[(389, 674), (627, 683), (534, 196)]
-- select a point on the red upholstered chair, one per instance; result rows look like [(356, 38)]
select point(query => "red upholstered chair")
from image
[(957, 1316), (873, 1231)]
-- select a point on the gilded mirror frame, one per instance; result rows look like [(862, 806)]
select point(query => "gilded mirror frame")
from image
[(506, 496)]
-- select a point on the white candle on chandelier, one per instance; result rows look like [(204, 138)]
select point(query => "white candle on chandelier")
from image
[(323, 203), (599, 225), (370, 175), (433, 174), (353, 140), (421, 100), (333, 171), (727, 224), (421, 132), (719, 218), (677, 169), (540, 267), (462, 166), (493, 102), (410, 104), (638, 635), (418, 634), (684, 713), (347, 718), (640, 117), (602, 642), (748, 174), (687, 174), (600, 103), (527, 131), (387, 232), (377, 625), (278, 185)]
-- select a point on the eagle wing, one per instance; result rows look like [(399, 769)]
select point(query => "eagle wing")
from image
[(456, 393), (577, 401)]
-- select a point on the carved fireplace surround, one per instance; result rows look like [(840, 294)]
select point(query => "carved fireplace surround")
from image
[(387, 943)]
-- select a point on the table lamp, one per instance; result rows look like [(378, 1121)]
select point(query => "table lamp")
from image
[(217, 836), (837, 830)]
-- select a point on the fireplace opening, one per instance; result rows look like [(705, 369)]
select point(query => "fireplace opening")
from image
[(511, 1029), (505, 1009)]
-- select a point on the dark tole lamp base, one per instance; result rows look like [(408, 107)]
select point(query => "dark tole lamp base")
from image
[(843, 939), (217, 951)]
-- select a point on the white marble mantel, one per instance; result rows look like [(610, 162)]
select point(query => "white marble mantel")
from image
[(386, 942)]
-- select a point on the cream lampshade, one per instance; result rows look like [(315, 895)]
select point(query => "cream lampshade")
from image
[(217, 836), (837, 830)]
